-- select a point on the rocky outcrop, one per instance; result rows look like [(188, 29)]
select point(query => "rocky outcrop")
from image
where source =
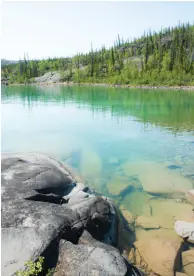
[(50, 77), (45, 211)]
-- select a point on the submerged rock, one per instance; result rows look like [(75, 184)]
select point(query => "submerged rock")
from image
[(190, 196), (169, 210), (129, 217), (158, 179), (188, 262), (147, 222), (113, 160), (118, 185), (159, 255)]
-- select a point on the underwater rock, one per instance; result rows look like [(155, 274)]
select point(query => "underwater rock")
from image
[(188, 262), (160, 255), (113, 160), (131, 256), (158, 179), (164, 234), (147, 222), (190, 196), (128, 216), (168, 210), (118, 185), (90, 164), (138, 202)]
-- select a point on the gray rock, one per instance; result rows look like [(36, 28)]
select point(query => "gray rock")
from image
[(34, 213), (90, 258), (50, 77)]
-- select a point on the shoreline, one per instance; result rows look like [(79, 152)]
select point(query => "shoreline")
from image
[(156, 87)]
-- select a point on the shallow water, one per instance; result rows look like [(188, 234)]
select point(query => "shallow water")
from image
[(135, 146)]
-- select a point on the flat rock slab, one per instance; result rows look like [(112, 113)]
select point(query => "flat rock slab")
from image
[(147, 222), (188, 262), (158, 179), (160, 255)]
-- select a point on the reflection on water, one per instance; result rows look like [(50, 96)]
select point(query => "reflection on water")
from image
[(135, 146)]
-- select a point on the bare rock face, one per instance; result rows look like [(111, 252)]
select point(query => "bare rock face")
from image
[(45, 209)]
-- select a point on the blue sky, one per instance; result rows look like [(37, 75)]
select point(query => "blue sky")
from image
[(45, 29)]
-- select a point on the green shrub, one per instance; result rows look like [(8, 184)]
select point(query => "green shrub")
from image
[(32, 268)]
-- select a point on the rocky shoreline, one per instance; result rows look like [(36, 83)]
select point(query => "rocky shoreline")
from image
[(158, 87), (54, 78), (48, 211)]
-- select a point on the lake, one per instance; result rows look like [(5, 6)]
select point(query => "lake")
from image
[(134, 146)]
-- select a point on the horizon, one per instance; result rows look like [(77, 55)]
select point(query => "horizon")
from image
[(109, 20)]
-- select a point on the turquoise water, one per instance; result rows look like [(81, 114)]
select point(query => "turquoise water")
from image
[(131, 145)]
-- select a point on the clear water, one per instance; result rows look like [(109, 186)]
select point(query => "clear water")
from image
[(135, 146)]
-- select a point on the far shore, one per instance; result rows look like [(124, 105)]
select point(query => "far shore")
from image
[(165, 87)]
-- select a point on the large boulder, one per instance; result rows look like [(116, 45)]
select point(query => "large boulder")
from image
[(38, 209), (90, 257)]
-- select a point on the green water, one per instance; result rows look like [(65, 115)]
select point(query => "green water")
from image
[(135, 146)]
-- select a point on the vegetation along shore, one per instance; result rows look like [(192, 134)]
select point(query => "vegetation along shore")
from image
[(162, 59)]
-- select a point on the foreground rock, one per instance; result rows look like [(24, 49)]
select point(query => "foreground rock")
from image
[(44, 205), (90, 257)]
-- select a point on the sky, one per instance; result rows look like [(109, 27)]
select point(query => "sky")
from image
[(56, 29)]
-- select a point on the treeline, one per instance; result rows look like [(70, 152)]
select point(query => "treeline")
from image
[(166, 57)]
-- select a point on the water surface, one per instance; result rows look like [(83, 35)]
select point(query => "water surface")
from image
[(135, 146)]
